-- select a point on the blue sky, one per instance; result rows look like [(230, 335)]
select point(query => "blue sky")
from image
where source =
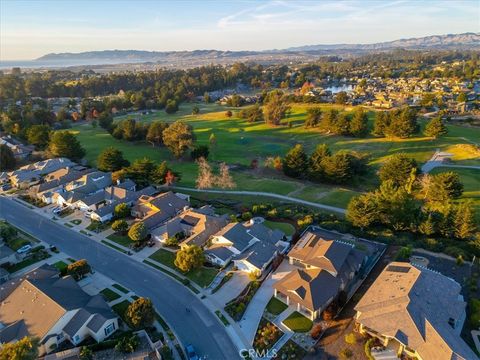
[(29, 29)]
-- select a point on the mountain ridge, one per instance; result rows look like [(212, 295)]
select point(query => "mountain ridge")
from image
[(448, 41)]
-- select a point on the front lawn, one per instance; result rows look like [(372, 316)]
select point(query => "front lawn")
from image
[(76, 221), (286, 228), (121, 308), (276, 306), (97, 226), (35, 257), (109, 294), (123, 240), (61, 266), (17, 243), (298, 323), (202, 276)]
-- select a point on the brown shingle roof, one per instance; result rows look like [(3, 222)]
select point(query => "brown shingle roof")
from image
[(414, 305)]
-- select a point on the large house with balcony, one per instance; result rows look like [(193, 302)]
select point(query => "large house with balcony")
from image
[(322, 269), (54, 310), (416, 311)]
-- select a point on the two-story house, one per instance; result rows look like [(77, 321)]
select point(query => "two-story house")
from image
[(322, 269)]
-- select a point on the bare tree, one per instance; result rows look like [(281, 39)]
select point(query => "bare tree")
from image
[(224, 180), (205, 178)]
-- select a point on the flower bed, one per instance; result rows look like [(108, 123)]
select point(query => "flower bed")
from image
[(236, 307), (267, 335)]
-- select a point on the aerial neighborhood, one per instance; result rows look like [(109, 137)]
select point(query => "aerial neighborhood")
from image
[(295, 203)]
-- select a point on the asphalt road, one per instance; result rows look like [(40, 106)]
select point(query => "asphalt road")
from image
[(198, 327)]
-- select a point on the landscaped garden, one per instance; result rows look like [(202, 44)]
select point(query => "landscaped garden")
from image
[(267, 335), (202, 276), (237, 307), (298, 323), (291, 351), (97, 226), (275, 306)]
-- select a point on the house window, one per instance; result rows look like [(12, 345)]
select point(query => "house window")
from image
[(109, 329), (451, 322)]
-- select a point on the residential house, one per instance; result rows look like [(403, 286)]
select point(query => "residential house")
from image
[(54, 310), (75, 191), (418, 311), (194, 226), (103, 203), (252, 246), (56, 181), (154, 211), (322, 269), (32, 174), (20, 151)]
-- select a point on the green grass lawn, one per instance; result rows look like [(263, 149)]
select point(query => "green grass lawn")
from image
[(287, 228), (123, 240), (121, 288), (202, 276), (298, 323), (109, 294), (239, 142), (276, 306), (121, 308), (60, 265), (17, 243), (112, 246)]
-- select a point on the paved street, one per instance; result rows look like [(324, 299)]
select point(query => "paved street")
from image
[(198, 327)]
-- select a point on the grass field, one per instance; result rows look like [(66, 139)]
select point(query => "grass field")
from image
[(239, 142), (121, 308)]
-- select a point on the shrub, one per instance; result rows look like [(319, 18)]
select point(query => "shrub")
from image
[(78, 269), (316, 331), (127, 345), (351, 339), (346, 353)]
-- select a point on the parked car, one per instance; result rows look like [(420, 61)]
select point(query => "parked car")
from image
[(56, 210), (5, 187), (191, 354), (24, 249)]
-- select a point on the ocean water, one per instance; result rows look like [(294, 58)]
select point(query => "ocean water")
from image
[(36, 64)]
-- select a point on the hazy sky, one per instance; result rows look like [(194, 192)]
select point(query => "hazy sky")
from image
[(29, 29)]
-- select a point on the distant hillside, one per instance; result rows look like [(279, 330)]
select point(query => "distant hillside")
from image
[(434, 41), (455, 41)]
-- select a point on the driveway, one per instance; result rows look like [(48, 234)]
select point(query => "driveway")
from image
[(199, 327), (232, 288), (252, 316)]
